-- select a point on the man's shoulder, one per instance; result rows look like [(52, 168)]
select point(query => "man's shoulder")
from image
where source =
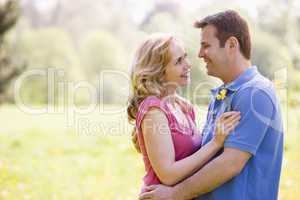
[(259, 87), (258, 84)]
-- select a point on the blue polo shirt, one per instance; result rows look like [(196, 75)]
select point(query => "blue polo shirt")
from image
[(259, 132)]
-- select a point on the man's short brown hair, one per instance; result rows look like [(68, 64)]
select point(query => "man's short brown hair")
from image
[(229, 23)]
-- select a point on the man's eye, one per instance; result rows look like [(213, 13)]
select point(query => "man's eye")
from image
[(205, 46)]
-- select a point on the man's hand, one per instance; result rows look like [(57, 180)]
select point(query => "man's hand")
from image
[(159, 192)]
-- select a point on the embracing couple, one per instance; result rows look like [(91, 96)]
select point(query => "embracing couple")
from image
[(238, 154)]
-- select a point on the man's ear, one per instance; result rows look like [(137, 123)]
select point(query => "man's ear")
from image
[(232, 43)]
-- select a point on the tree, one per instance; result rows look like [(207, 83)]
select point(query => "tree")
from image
[(99, 51), (9, 14), (269, 54), (46, 48)]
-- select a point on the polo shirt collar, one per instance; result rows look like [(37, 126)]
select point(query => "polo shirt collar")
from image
[(247, 75)]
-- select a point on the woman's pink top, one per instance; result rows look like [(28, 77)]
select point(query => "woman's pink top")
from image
[(186, 140)]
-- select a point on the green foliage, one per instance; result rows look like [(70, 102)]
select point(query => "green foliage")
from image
[(101, 50), (84, 50), (43, 49), (162, 22), (294, 88), (48, 47), (269, 54), (102, 56)]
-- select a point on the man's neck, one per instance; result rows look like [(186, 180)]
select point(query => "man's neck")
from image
[(236, 70)]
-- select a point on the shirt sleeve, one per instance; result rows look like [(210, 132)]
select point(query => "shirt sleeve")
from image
[(256, 109)]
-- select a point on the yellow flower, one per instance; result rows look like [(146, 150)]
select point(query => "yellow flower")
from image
[(221, 95)]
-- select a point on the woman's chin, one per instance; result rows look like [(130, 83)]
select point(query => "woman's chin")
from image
[(185, 83)]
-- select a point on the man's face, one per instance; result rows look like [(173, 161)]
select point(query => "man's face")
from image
[(213, 55)]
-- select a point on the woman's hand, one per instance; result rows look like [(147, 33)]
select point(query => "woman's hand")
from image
[(224, 125)]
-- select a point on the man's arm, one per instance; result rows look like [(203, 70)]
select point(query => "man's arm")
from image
[(220, 170), (161, 152), (215, 173), (257, 109)]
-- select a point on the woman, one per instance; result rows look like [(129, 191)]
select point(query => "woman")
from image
[(166, 133)]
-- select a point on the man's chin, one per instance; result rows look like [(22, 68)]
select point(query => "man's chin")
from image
[(209, 73)]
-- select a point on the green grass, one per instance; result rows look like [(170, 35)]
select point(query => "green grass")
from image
[(41, 158)]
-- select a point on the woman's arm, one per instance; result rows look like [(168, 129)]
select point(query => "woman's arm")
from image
[(161, 153)]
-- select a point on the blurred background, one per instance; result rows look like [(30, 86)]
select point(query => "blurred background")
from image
[(64, 69)]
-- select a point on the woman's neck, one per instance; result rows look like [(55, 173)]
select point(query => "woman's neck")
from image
[(170, 96), (170, 91)]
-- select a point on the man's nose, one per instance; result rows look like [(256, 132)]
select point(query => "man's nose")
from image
[(201, 53)]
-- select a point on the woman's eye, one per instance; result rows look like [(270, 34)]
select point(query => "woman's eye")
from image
[(178, 61)]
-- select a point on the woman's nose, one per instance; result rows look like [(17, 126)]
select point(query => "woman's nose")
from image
[(188, 64)]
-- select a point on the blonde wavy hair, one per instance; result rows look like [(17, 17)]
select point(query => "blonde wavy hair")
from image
[(147, 75)]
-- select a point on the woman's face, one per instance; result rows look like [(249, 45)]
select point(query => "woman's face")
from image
[(178, 69)]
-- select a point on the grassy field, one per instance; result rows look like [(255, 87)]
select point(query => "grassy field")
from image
[(41, 158)]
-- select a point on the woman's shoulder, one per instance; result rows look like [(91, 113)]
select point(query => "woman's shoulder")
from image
[(150, 104), (150, 101)]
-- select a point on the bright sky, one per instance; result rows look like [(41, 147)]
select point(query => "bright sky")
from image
[(140, 7)]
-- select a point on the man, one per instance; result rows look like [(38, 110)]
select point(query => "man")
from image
[(249, 165)]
